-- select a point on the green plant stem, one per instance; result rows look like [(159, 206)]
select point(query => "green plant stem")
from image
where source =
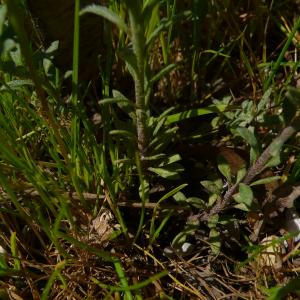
[(138, 41), (75, 167), (257, 167), (17, 20), (281, 55), (144, 197), (75, 121)]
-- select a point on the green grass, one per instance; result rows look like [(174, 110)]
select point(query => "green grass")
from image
[(177, 82)]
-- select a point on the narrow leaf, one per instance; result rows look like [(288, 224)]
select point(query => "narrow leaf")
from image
[(191, 114), (106, 13), (265, 180)]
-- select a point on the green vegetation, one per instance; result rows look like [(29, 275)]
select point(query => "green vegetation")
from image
[(149, 149)]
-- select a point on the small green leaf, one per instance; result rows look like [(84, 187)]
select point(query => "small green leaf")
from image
[(213, 221), (106, 13), (245, 195), (170, 172), (129, 57), (179, 239), (275, 147), (196, 202), (253, 156), (213, 187), (241, 174), (265, 180), (273, 161), (179, 197), (212, 199), (224, 167), (124, 133), (242, 206), (251, 139), (191, 114), (146, 189), (171, 159), (264, 100), (215, 241)]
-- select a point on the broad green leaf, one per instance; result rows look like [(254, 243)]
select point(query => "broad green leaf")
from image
[(253, 156), (196, 202), (213, 199), (179, 197), (273, 161), (240, 174), (213, 186), (275, 147), (245, 195), (242, 206), (106, 13), (250, 138)]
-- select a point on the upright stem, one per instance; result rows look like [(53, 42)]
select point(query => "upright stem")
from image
[(16, 17), (138, 41), (75, 121)]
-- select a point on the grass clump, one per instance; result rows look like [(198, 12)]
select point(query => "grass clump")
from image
[(160, 164)]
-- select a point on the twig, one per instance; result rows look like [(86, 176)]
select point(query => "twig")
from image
[(92, 197), (256, 168)]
